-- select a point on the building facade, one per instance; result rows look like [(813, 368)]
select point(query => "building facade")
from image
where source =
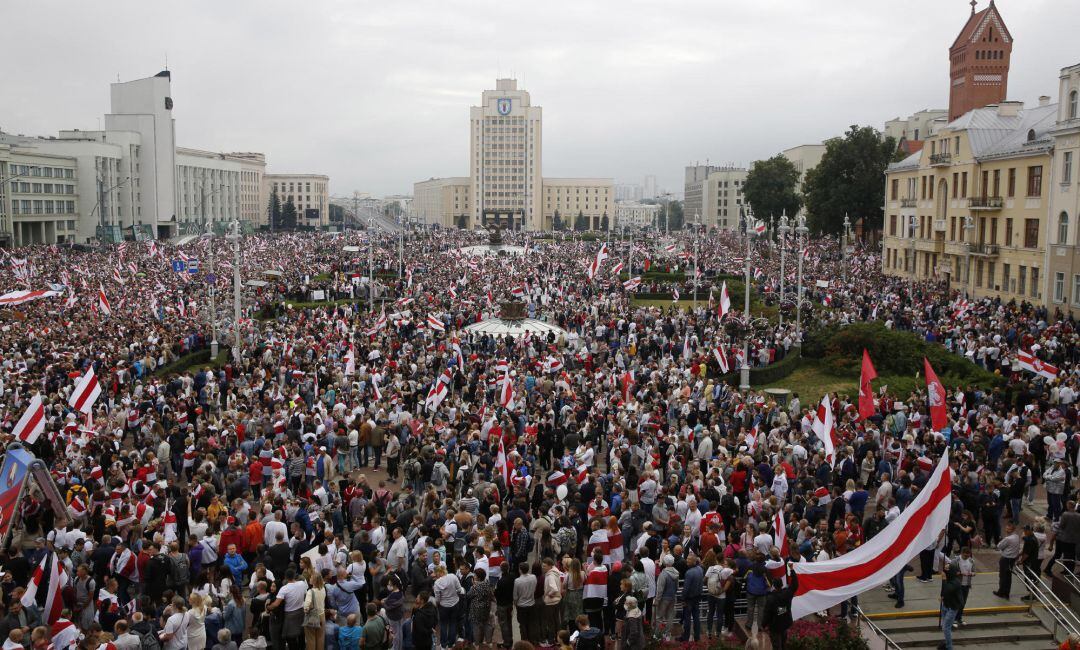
[(593, 199), (444, 202), (910, 132), (144, 106), (636, 215), (979, 62), (971, 207), (208, 190), (310, 193), (1064, 251), (721, 199), (505, 154), (39, 200)]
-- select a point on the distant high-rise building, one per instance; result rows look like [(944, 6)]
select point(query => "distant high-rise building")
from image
[(979, 62), (649, 188), (505, 158)]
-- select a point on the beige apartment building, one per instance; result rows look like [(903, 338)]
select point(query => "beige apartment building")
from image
[(592, 198), (443, 201), (310, 193), (1064, 253), (971, 207)]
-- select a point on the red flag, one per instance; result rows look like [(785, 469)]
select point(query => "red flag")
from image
[(935, 393), (866, 393)]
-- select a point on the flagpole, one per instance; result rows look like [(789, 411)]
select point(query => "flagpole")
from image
[(744, 372), (800, 237), (784, 229), (697, 224)]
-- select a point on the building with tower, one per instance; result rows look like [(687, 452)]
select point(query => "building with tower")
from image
[(506, 188), (979, 62)]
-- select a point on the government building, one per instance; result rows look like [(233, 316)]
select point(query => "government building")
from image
[(980, 205), (505, 187)]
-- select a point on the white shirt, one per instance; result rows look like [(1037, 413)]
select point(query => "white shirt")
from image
[(271, 530), (293, 595), (177, 625), (399, 553)]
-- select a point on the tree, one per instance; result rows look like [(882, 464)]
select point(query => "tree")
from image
[(675, 214), (604, 223), (288, 215), (581, 224), (274, 210), (771, 188), (337, 213), (556, 221), (848, 180)]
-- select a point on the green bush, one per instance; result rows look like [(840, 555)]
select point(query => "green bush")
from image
[(893, 353), (194, 359), (657, 276)]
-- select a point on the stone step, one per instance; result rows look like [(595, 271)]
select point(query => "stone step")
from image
[(971, 621), (1026, 637)]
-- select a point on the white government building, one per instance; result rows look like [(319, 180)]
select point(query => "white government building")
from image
[(505, 186), (130, 180)]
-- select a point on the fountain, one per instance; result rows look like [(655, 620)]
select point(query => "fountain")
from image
[(494, 246)]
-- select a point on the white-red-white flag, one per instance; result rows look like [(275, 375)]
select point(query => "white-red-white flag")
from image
[(86, 392), (780, 533), (103, 301), (824, 584), (617, 269), (721, 358), (1032, 363), (350, 361), (32, 423), (825, 428), (435, 324), (725, 300)]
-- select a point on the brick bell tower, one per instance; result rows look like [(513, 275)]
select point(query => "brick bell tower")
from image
[(979, 62)]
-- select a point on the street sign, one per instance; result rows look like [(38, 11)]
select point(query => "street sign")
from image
[(178, 266), (211, 278), (193, 266)]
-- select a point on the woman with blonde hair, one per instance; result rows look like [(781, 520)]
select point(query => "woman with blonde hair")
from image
[(196, 631), (315, 614)]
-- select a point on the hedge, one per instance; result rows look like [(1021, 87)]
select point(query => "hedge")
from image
[(839, 349), (197, 358), (660, 276), (771, 373)]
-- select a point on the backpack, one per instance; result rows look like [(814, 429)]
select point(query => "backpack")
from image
[(715, 584), (148, 641), (179, 570), (756, 584)]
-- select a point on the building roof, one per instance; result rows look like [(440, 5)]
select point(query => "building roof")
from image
[(993, 135), (977, 22)]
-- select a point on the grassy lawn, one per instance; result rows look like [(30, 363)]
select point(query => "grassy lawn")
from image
[(811, 382)]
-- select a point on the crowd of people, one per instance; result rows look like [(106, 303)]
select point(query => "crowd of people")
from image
[(384, 479)]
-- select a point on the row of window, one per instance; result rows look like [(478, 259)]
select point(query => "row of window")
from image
[(42, 188), (1059, 288), (985, 272), (40, 172), (39, 206), (922, 227), (990, 185)]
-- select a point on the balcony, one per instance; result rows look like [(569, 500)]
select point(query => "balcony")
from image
[(939, 225), (986, 203), (938, 159), (907, 203), (984, 250)]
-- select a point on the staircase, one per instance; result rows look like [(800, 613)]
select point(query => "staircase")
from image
[(990, 623), (989, 631)]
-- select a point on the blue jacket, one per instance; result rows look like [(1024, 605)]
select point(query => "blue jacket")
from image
[(693, 583), (237, 564)]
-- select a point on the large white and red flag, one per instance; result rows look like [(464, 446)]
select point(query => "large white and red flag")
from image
[(721, 358), (594, 266), (825, 428), (780, 533), (14, 298), (65, 635), (54, 584), (502, 465), (1032, 363), (86, 392), (506, 392), (824, 584), (103, 301), (436, 395), (32, 423), (725, 300)]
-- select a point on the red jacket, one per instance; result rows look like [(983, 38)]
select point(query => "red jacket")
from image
[(231, 535)]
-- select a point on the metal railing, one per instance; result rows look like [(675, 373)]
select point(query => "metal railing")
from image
[(940, 158), (880, 633), (986, 202), (1064, 618), (907, 203), (1069, 576)]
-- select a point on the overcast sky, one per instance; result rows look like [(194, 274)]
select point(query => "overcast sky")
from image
[(377, 94)]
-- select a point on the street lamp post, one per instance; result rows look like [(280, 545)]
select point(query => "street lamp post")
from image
[(969, 227), (783, 230), (236, 291), (744, 372), (211, 286), (844, 247), (800, 238), (697, 225), (371, 263)]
